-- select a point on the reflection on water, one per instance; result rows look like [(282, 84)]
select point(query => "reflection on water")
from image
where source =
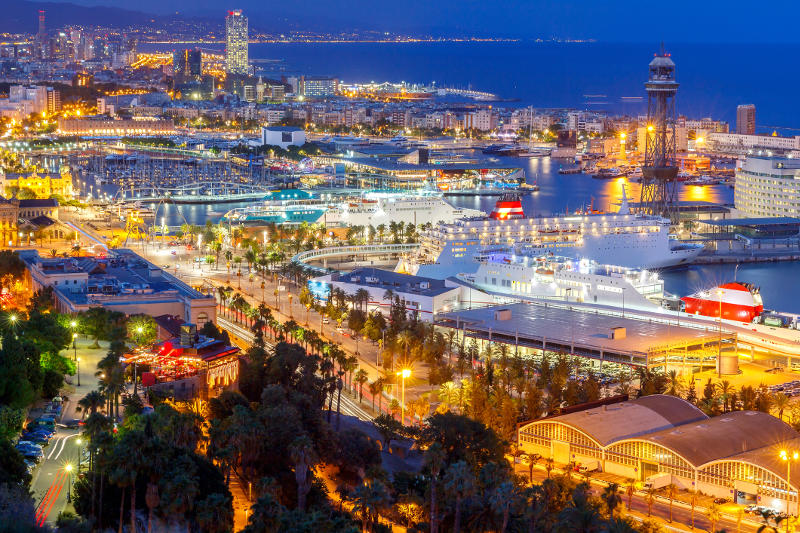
[(561, 193)]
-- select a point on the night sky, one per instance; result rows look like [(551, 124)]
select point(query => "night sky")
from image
[(607, 20)]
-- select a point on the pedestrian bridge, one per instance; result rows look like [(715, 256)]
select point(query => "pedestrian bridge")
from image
[(323, 254)]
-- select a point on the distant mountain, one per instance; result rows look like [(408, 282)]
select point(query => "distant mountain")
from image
[(22, 15)]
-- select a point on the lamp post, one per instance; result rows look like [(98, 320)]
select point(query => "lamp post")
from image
[(68, 468), (719, 343), (784, 455), (78, 369), (403, 374), (139, 331), (74, 347)]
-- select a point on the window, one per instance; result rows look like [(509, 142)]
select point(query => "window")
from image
[(202, 318)]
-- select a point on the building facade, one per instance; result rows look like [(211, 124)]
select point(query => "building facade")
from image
[(746, 119), (121, 281), (236, 43), (43, 185), (283, 136), (768, 187), (104, 126), (735, 455)]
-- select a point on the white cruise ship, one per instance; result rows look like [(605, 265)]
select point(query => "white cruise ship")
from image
[(417, 210), (568, 280), (372, 209), (624, 239)]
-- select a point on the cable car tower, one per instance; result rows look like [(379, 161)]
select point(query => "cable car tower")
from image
[(659, 173)]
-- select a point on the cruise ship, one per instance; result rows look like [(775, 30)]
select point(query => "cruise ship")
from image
[(565, 279), (623, 238), (369, 210)]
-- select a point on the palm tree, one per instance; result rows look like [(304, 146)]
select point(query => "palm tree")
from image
[(630, 487), (651, 498), (780, 402), (671, 493), (674, 384), (459, 484), (302, 454), (376, 389), (611, 498), (713, 514), (725, 390), (549, 464), (434, 458), (91, 402), (361, 377)]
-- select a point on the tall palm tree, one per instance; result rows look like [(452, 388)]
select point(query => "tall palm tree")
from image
[(91, 402), (459, 484), (361, 377), (725, 389), (434, 458), (780, 402), (611, 498)]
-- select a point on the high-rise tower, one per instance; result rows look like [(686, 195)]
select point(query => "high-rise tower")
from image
[(236, 40), (659, 172)]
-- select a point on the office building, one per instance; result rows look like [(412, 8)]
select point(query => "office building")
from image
[(187, 65), (119, 280), (236, 40), (318, 86), (768, 187), (746, 119), (283, 136), (736, 455), (740, 144)]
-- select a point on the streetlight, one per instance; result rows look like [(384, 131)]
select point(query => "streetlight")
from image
[(719, 344), (74, 346), (786, 457), (403, 374), (68, 468), (78, 369)]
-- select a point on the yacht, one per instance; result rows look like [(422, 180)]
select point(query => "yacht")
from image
[(622, 238)]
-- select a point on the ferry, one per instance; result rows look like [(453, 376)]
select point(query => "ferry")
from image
[(622, 238), (367, 210), (565, 279)]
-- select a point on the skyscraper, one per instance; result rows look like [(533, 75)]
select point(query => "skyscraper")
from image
[(236, 43), (746, 119)]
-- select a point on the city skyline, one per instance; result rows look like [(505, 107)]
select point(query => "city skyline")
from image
[(575, 19)]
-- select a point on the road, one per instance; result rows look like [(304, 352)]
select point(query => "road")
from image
[(681, 512), (52, 479)]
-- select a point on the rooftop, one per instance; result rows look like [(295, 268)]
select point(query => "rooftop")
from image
[(395, 281), (754, 221), (725, 436), (575, 327), (611, 423)]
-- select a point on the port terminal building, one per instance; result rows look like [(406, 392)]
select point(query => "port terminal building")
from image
[(753, 234), (736, 455), (603, 335)]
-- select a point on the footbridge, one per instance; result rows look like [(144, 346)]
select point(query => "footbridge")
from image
[(356, 251)]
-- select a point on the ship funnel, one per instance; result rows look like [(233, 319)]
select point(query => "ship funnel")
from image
[(624, 209), (508, 206)]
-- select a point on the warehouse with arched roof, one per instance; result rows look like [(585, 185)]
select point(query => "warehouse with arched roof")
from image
[(735, 455)]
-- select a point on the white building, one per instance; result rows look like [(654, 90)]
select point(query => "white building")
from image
[(122, 281), (734, 143), (768, 187), (283, 136), (424, 297)]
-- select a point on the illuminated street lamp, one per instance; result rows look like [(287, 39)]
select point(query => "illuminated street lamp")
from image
[(78, 369), (403, 374), (68, 468), (74, 347), (784, 455)]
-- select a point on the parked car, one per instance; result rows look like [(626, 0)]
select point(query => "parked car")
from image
[(37, 438), (71, 423), (720, 501)]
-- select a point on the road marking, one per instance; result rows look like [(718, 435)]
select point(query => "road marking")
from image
[(63, 444)]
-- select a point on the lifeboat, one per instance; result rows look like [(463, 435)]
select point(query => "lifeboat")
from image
[(735, 301)]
